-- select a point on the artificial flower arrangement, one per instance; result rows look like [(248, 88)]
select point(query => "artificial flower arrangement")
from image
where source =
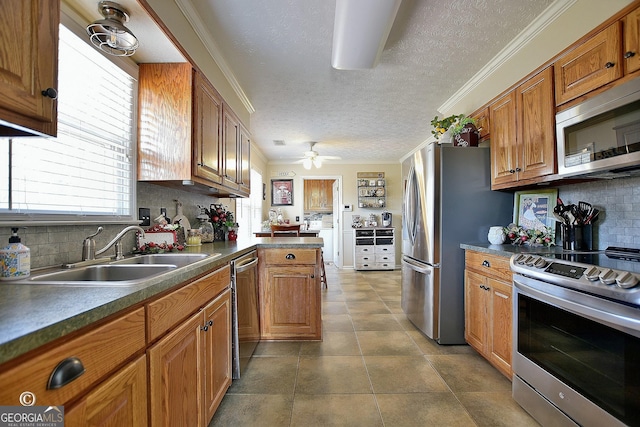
[(220, 216), (455, 122), (517, 235)]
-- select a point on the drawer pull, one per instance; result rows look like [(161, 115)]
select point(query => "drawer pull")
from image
[(629, 54), (66, 371), (486, 263), (290, 256), (609, 65), (50, 93), (501, 295)]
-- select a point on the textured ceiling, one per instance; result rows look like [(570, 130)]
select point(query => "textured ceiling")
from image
[(279, 52)]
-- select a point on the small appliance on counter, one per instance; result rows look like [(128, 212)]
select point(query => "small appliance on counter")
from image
[(386, 219)]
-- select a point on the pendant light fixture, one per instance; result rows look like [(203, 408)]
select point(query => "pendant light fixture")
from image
[(109, 34)]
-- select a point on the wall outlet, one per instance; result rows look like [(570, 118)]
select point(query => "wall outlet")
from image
[(144, 215), (347, 208), (297, 219)]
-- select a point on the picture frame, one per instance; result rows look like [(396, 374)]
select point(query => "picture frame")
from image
[(281, 192), (533, 209)]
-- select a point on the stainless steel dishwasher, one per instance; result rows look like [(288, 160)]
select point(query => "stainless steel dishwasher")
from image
[(245, 315)]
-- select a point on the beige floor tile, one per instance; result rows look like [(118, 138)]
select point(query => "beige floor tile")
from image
[(332, 375), (337, 307), (422, 409), (337, 323), (375, 322), (365, 295), (367, 307), (469, 372), (332, 344), (387, 343), (394, 306), (350, 410), (287, 348), (429, 346), (267, 375), (402, 374), (495, 409), (253, 410)]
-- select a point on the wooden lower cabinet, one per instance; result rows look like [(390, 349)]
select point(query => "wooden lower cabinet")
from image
[(488, 315), (290, 294), (119, 401), (187, 380)]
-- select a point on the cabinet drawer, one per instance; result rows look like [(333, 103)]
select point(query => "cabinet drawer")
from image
[(165, 312), (489, 265), (291, 256), (365, 249), (101, 350), (365, 258), (385, 258), (388, 249)]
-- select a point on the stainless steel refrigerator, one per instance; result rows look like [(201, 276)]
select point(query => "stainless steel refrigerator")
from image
[(447, 201)]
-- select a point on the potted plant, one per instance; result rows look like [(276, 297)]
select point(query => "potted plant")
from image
[(440, 126)]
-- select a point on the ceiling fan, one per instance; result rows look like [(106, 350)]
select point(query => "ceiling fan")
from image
[(313, 158)]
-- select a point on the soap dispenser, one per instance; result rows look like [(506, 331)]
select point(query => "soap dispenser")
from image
[(15, 259)]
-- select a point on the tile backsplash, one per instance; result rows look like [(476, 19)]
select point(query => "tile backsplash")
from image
[(619, 202), (59, 244)]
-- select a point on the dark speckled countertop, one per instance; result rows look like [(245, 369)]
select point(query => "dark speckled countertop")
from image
[(32, 315), (508, 250)]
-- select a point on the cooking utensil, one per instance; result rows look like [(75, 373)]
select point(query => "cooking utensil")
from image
[(592, 217)]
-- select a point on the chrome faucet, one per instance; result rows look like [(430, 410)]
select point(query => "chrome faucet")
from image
[(89, 245)]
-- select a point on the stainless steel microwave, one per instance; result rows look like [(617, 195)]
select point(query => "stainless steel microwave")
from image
[(601, 136)]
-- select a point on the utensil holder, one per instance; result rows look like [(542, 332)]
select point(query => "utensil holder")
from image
[(576, 237)]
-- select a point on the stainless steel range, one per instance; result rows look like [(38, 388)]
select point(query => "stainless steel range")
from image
[(577, 337)]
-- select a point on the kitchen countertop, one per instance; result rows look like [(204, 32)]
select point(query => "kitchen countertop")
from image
[(32, 315), (508, 249)]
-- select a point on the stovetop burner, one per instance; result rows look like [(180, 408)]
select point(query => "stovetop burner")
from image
[(613, 274)]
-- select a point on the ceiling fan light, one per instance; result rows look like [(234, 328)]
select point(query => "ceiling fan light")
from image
[(360, 32), (317, 163), (307, 163), (109, 34)]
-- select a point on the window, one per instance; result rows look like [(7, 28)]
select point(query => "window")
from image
[(88, 171), (249, 210)]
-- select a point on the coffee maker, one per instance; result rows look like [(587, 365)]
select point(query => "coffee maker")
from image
[(386, 219)]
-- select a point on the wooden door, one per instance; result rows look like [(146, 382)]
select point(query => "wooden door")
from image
[(244, 160), (291, 307), (207, 116), (121, 401), (631, 49), (29, 64), (500, 344), (536, 126), (503, 140), (217, 352), (482, 123), (230, 132), (475, 311), (175, 376), (590, 65)]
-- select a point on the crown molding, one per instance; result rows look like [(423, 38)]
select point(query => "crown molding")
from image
[(212, 47), (550, 14)]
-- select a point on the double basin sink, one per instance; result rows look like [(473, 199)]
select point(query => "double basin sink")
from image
[(125, 272)]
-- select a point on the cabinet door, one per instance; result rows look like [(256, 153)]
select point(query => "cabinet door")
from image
[(29, 64), (631, 49), (231, 130), (121, 401), (590, 65), (217, 352), (175, 376), (207, 114), (536, 126), (499, 351), (482, 123), (475, 309), (244, 161), (503, 140), (291, 303)]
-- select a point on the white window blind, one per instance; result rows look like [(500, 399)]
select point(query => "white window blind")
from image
[(88, 170)]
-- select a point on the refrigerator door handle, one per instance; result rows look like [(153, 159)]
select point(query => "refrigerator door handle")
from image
[(420, 268), (410, 203)]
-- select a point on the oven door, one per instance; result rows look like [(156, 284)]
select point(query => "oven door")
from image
[(576, 356)]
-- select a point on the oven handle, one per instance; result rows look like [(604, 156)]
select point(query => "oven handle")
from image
[(594, 308)]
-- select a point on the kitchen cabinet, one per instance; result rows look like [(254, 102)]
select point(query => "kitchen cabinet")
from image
[(631, 34), (483, 124), (522, 133), (244, 162), (188, 137), (119, 401), (374, 248), (488, 308), (29, 67), (290, 294), (590, 65), (318, 195), (190, 366)]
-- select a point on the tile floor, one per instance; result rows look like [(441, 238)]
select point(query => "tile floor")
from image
[(373, 368)]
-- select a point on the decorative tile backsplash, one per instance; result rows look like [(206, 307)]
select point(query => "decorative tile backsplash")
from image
[(619, 202)]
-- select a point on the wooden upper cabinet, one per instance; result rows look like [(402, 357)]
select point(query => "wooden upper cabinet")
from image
[(503, 140), (631, 50), (536, 126), (29, 66), (594, 63), (318, 195), (244, 160), (207, 111), (231, 133), (482, 123)]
